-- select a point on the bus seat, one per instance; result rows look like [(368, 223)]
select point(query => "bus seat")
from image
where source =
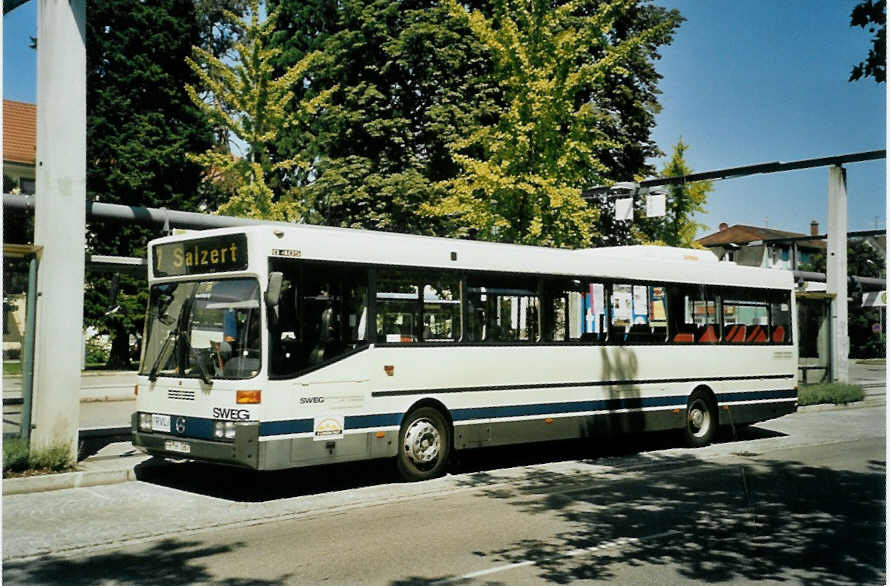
[(324, 337), (684, 337), (779, 334), (707, 336), (757, 335), (737, 334)]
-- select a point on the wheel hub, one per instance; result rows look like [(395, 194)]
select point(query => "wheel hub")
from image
[(699, 419), (422, 442)]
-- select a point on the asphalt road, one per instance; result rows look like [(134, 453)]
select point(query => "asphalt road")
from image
[(799, 499)]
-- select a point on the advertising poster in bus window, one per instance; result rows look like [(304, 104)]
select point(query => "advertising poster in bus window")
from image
[(657, 313), (641, 304), (598, 292), (621, 304)]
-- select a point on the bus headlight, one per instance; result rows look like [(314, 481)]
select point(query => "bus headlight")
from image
[(224, 430), (145, 421)]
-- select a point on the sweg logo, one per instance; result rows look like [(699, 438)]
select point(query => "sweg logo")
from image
[(308, 400), (231, 414)]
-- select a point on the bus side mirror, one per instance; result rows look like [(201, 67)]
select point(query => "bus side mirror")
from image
[(273, 291)]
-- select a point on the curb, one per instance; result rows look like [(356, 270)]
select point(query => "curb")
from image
[(83, 478), (863, 404)]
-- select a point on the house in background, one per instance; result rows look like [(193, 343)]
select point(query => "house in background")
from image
[(19, 173), (19, 145), (763, 247)]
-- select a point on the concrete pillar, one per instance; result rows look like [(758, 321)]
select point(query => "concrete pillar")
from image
[(836, 272), (60, 216)]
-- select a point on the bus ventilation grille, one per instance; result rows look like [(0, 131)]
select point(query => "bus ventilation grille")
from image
[(181, 395)]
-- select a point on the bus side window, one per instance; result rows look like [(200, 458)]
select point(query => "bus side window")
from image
[(319, 314), (746, 315), (576, 310), (692, 313), (503, 308)]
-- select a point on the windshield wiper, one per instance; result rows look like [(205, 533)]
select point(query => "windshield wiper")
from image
[(153, 373)]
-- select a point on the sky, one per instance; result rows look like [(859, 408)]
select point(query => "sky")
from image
[(744, 82)]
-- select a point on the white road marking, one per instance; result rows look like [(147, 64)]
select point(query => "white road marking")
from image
[(574, 553)]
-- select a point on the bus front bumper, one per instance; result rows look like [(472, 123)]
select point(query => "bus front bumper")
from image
[(243, 451)]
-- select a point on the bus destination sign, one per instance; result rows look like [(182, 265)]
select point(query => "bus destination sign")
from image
[(205, 255)]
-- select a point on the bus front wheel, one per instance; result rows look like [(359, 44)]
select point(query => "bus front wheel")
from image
[(424, 444), (701, 419)]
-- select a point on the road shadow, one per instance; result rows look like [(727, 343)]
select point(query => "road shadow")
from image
[(171, 561), (242, 485), (759, 520)]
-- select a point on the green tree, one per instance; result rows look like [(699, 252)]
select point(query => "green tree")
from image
[(522, 174), (140, 124), (872, 14), (250, 102), (678, 226), (410, 78)]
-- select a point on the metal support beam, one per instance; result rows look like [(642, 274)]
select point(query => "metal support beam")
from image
[(60, 221), (836, 271), (28, 350), (733, 172)]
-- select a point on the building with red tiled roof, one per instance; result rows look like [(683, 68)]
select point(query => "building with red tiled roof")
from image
[(763, 247), (19, 144)]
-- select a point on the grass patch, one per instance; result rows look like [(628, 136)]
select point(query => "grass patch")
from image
[(830, 393), (12, 368), (18, 460)]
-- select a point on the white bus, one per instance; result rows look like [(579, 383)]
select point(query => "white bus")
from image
[(272, 347)]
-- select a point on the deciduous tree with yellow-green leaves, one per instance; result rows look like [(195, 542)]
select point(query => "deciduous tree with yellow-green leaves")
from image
[(245, 97), (522, 175)]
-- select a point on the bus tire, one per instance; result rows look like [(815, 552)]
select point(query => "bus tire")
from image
[(424, 444), (701, 419)]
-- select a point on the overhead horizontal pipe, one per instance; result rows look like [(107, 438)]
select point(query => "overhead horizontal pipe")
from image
[(760, 168), (864, 283), (143, 215)]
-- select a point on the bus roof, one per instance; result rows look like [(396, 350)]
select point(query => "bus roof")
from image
[(638, 262)]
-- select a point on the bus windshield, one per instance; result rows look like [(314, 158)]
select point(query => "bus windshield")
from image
[(203, 329)]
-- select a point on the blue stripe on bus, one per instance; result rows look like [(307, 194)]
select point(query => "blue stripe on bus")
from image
[(285, 427), (376, 420), (465, 414), (757, 396)]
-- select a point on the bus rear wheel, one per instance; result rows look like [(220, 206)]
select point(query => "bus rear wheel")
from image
[(424, 444), (701, 419)]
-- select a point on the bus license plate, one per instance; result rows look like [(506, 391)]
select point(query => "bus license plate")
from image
[(160, 422), (175, 446)]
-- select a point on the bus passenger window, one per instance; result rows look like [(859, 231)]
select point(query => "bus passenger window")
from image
[(745, 316), (441, 310), (398, 306), (321, 315), (693, 314), (575, 310), (503, 309), (780, 318)]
